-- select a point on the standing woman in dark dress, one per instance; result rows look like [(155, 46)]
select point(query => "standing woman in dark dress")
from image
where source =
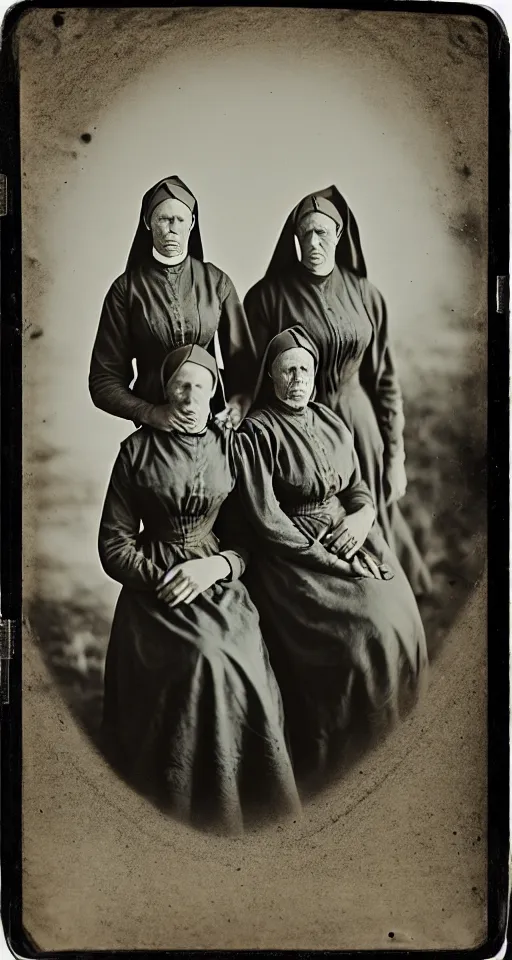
[(337, 613), (192, 711), (166, 298), (328, 293)]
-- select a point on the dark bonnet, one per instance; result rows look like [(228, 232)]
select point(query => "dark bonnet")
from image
[(286, 340), (168, 188), (317, 204), (192, 353), (349, 253)]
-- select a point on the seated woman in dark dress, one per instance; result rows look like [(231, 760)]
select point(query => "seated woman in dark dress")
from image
[(192, 711), (327, 293), (168, 297), (337, 613)]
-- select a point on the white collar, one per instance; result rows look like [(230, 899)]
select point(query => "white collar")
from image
[(170, 261)]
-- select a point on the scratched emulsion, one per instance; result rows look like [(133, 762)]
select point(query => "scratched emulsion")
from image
[(255, 107)]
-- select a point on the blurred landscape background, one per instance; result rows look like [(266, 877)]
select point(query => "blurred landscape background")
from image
[(253, 109)]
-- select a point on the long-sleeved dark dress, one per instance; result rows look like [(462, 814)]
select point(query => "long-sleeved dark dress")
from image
[(192, 711), (346, 318), (153, 308), (349, 654)]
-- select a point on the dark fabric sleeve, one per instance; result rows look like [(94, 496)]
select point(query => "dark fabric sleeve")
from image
[(111, 370), (271, 525), (119, 527), (236, 344), (237, 563), (356, 494), (257, 304), (231, 529), (379, 375)]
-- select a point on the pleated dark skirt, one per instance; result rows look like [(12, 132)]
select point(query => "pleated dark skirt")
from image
[(192, 712), (349, 655), (355, 408)]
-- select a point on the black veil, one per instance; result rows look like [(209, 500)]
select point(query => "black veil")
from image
[(349, 253), (142, 244)]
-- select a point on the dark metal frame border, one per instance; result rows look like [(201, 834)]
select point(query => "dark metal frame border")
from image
[(498, 491)]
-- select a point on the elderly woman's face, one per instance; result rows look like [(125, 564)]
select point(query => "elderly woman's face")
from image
[(318, 236), (171, 223), (189, 394), (293, 376)]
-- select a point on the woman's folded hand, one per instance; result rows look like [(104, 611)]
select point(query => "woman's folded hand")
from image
[(358, 567), (364, 564), (184, 582), (350, 534), (395, 480), (235, 411)]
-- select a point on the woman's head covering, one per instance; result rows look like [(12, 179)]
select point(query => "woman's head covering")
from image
[(191, 353), (317, 204), (170, 189), (349, 253), (167, 189), (286, 340)]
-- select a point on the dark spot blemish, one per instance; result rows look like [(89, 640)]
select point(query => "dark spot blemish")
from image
[(166, 20), (453, 57), (468, 44), (464, 171), (86, 138), (391, 935), (467, 228), (78, 36), (474, 889), (477, 28), (74, 154), (454, 833), (37, 41), (58, 19), (36, 333)]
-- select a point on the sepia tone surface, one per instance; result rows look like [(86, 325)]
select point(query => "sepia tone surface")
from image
[(254, 108)]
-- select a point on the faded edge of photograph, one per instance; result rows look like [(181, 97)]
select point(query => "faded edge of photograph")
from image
[(255, 341)]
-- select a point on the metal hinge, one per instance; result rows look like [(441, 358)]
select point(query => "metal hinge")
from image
[(7, 631)]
